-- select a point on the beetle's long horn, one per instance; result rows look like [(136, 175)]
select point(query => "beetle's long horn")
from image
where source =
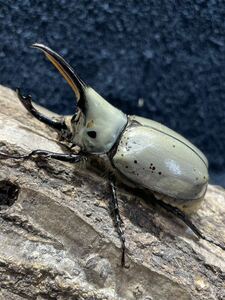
[(65, 69)]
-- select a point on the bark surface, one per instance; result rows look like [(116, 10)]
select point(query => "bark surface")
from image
[(57, 239)]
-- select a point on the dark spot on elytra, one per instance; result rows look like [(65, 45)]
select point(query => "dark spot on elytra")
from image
[(135, 161), (152, 167), (160, 173)]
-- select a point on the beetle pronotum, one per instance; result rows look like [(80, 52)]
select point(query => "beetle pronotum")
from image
[(139, 152)]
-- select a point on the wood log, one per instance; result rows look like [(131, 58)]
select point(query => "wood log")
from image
[(57, 239)]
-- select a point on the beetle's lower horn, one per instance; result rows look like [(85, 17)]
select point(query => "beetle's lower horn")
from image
[(27, 103)]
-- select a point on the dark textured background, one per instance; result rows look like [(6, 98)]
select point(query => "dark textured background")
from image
[(169, 53)]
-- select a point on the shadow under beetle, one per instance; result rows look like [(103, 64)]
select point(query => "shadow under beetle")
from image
[(139, 152)]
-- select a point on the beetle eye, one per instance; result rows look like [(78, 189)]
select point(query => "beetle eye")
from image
[(92, 134)]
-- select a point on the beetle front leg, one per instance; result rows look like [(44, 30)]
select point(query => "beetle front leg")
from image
[(73, 158), (117, 219), (27, 103)]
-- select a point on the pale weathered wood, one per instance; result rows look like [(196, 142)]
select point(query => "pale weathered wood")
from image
[(57, 241)]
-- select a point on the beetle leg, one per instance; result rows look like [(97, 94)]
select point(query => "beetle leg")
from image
[(73, 158), (117, 219), (182, 216), (26, 101)]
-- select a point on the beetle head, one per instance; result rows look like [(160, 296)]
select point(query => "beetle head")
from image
[(96, 125)]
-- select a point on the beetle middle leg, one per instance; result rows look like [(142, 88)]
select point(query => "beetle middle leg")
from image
[(73, 158), (117, 218), (182, 216)]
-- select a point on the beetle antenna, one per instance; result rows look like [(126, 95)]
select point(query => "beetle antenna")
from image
[(182, 216)]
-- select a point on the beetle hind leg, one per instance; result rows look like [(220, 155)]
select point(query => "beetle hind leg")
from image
[(27, 103), (182, 216), (117, 219)]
